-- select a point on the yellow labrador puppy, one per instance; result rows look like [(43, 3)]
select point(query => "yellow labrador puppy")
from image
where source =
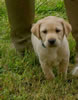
[(51, 45)]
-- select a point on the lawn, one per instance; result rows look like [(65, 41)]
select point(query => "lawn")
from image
[(22, 78)]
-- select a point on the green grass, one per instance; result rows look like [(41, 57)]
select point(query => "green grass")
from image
[(22, 78)]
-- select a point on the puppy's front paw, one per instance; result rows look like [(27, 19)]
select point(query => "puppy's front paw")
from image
[(50, 76)]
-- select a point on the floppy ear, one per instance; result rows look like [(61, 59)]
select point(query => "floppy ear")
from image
[(66, 27), (36, 29)]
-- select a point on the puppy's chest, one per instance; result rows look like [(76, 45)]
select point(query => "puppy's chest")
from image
[(51, 57)]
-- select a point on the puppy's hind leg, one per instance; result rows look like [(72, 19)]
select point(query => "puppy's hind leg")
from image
[(47, 71)]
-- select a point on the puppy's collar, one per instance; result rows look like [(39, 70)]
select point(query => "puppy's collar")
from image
[(43, 44)]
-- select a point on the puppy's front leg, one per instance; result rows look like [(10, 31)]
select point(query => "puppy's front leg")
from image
[(63, 67), (47, 70)]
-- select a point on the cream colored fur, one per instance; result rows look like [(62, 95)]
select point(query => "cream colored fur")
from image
[(50, 55)]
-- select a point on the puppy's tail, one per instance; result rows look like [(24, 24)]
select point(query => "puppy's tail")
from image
[(75, 71)]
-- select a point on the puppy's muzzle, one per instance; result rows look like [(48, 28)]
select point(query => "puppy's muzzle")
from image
[(52, 42)]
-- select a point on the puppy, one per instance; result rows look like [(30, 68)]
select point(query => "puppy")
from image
[(49, 40)]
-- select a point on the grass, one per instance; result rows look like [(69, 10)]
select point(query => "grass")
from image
[(22, 78)]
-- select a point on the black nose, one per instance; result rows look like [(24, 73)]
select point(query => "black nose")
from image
[(52, 41)]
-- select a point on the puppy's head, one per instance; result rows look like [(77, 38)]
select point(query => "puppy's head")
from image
[(51, 30)]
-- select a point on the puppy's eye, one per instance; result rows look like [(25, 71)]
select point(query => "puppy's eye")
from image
[(45, 31), (58, 30)]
